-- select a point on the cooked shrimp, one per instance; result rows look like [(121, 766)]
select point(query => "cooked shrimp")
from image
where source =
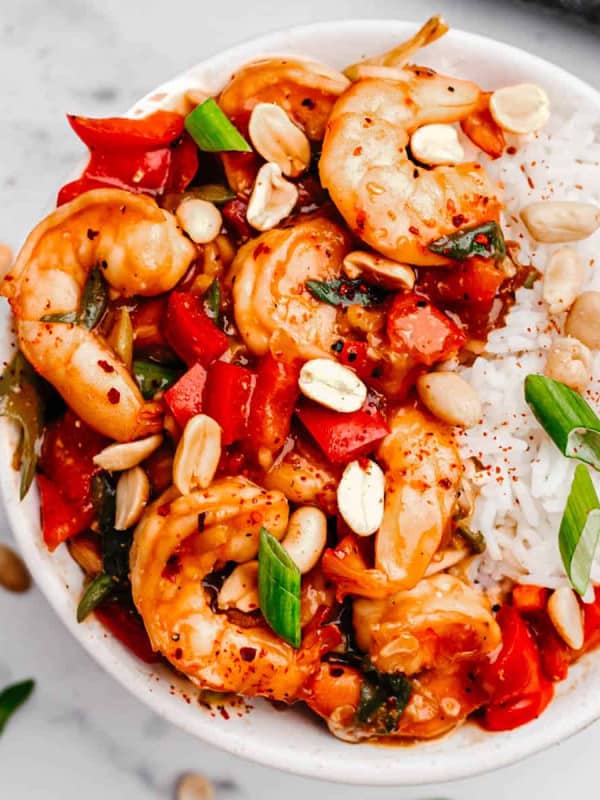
[(141, 251), (269, 275), (391, 203), (169, 559), (423, 471), (438, 623)]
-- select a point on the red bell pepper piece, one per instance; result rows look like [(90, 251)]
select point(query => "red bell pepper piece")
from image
[(272, 405), (184, 164), (354, 355), (227, 399), (418, 328), (473, 282), (73, 189), (527, 598), (591, 621), (184, 398), (61, 519), (344, 437), (191, 332), (120, 133), (132, 170), (519, 692), (555, 655), (129, 629)]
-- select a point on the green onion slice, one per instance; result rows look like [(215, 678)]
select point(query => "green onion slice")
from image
[(21, 401), (570, 422), (342, 292), (279, 589), (212, 301), (98, 590), (481, 240), (13, 698), (580, 530), (94, 300), (152, 377), (212, 131)]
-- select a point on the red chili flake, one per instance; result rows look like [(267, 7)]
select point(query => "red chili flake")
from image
[(444, 483), (256, 517), (178, 653), (357, 151), (164, 511), (248, 653), (114, 395), (458, 220), (107, 368), (481, 238), (223, 712), (413, 230), (171, 570), (91, 234)]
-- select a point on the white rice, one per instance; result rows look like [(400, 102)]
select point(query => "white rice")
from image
[(526, 480)]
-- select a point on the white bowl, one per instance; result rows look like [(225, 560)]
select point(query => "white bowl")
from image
[(294, 740)]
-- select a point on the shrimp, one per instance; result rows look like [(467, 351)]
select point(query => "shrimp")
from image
[(269, 274), (423, 473), (170, 558), (141, 251), (394, 205), (306, 90), (438, 623)]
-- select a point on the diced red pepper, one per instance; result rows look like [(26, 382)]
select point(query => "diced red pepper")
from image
[(472, 282), (591, 621), (354, 355), (119, 133), (133, 170), (61, 519), (185, 398), (191, 332), (343, 437), (73, 189), (227, 399), (421, 330), (184, 164), (518, 712), (234, 214), (272, 405), (526, 598), (555, 655), (129, 629)]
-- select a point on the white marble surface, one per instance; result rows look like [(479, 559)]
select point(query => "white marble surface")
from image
[(82, 735)]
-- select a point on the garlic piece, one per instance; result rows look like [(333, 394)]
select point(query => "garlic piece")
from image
[(563, 280), (332, 385), (570, 362), (306, 537), (121, 456), (240, 589), (13, 573), (524, 108), (565, 614), (198, 454), (360, 496), (379, 269), (555, 221), (272, 198), (200, 219), (436, 144), (133, 491), (278, 140), (450, 398)]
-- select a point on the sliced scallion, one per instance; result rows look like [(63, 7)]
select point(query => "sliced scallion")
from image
[(570, 422), (98, 590), (212, 131), (152, 377), (279, 589), (580, 530)]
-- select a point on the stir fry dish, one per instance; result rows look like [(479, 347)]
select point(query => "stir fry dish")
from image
[(315, 394)]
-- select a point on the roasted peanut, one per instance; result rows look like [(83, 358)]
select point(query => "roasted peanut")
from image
[(121, 456), (569, 361), (133, 491), (450, 398), (197, 455), (306, 537), (332, 385), (563, 279), (240, 589), (360, 496), (555, 221), (272, 198), (436, 144), (565, 614), (524, 108), (379, 269), (201, 220), (278, 140), (13, 572), (583, 319)]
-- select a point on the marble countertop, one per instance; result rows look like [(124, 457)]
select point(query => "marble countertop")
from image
[(82, 734)]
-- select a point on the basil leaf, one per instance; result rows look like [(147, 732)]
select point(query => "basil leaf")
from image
[(383, 698), (481, 240), (98, 590), (279, 589), (152, 377), (21, 401), (12, 698), (346, 292), (570, 422), (212, 130), (580, 530), (94, 300)]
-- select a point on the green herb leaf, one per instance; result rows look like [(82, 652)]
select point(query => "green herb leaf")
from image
[(212, 131), (566, 417), (346, 292), (383, 698), (212, 301), (94, 300), (215, 193), (580, 530), (98, 590), (475, 539), (114, 545), (481, 240), (21, 400), (152, 377), (12, 698), (279, 589)]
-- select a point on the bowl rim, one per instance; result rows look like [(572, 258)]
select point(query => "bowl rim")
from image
[(502, 750)]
